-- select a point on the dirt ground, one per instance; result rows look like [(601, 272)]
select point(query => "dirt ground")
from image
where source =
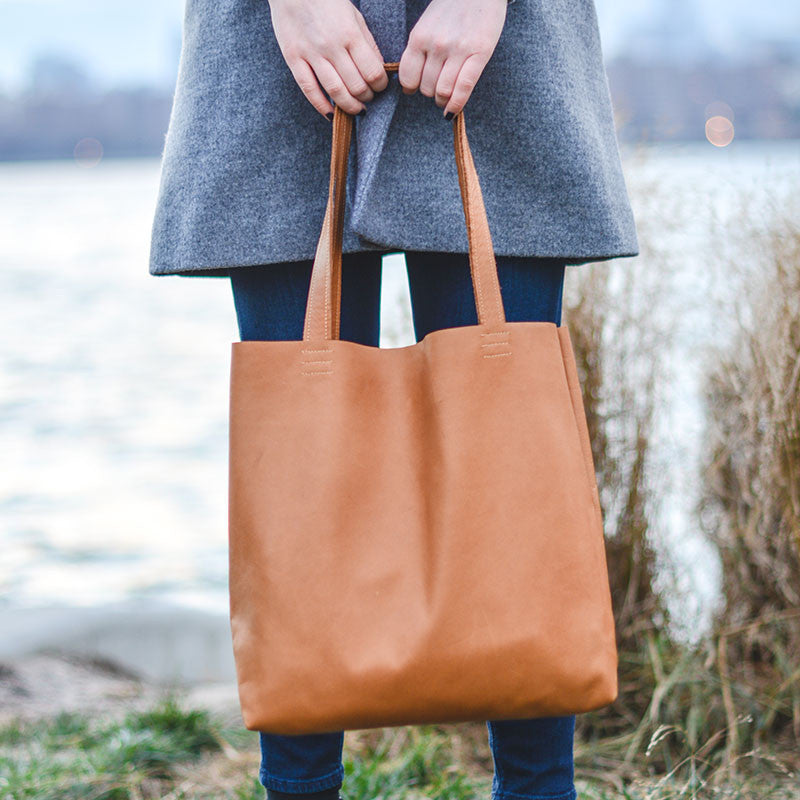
[(40, 685)]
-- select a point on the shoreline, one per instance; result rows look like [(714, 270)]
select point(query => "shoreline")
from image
[(114, 658)]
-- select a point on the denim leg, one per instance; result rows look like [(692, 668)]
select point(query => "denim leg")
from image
[(301, 763), (441, 291), (533, 758), (270, 302), (270, 299)]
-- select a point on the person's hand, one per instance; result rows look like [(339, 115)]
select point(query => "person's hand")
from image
[(448, 48), (327, 42)]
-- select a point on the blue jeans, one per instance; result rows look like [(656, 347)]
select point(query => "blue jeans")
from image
[(533, 758)]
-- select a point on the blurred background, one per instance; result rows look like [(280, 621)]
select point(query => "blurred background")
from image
[(113, 385)]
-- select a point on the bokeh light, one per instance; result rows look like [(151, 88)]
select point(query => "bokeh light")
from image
[(719, 130), (88, 152)]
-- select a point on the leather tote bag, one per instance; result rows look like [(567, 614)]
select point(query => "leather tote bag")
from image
[(415, 533)]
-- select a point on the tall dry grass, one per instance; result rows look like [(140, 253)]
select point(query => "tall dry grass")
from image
[(750, 508), (619, 342), (620, 398), (718, 715)]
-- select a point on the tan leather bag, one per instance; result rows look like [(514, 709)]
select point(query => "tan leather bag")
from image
[(415, 532)]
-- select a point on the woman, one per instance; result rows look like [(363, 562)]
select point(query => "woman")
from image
[(245, 180)]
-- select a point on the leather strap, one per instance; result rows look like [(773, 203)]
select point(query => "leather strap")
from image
[(324, 295)]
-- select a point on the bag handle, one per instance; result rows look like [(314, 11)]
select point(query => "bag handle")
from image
[(325, 290)]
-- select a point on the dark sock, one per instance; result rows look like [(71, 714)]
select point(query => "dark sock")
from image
[(324, 794)]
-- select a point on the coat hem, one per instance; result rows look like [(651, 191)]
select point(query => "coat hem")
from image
[(223, 271)]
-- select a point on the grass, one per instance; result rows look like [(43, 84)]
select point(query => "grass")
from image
[(73, 756), (172, 753)]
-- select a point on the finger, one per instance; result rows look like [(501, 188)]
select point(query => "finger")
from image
[(430, 73), (409, 69), (351, 76), (367, 57), (335, 87), (468, 76), (447, 81), (307, 81)]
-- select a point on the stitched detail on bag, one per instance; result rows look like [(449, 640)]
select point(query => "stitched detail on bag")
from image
[(498, 342), (316, 360)]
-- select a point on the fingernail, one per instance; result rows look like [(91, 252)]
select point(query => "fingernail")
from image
[(449, 115)]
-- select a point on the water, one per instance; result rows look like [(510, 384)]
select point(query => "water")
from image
[(113, 396), (113, 382)]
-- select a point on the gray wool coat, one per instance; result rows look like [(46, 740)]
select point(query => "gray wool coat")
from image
[(246, 158)]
